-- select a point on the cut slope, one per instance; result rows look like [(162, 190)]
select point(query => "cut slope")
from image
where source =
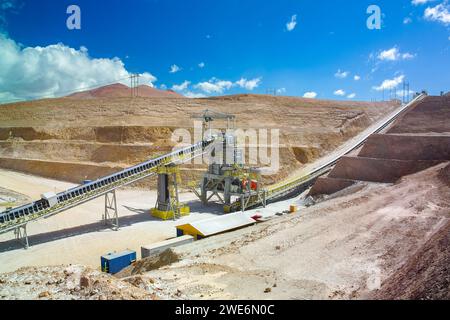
[(308, 129)]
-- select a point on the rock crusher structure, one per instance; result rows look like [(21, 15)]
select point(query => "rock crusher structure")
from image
[(227, 178)]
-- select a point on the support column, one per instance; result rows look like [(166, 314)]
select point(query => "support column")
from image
[(204, 192), (111, 216), (21, 235), (227, 191)]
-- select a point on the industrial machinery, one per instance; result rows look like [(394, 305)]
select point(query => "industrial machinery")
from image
[(51, 203), (168, 204), (236, 186), (227, 178)]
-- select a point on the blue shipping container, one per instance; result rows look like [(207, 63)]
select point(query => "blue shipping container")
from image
[(114, 262)]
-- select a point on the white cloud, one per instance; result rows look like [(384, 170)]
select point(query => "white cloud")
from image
[(439, 13), (291, 24), (201, 65), (214, 86), (407, 20), (394, 54), (163, 87), (55, 70), (390, 83), (356, 77), (339, 92), (310, 95), (420, 2), (248, 84), (351, 95), (181, 87), (281, 90), (341, 74), (174, 68), (193, 95)]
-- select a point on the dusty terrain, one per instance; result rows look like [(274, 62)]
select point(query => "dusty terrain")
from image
[(78, 235), (343, 248), (377, 239), (67, 283), (75, 139)]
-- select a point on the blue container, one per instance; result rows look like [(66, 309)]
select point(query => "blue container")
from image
[(114, 262)]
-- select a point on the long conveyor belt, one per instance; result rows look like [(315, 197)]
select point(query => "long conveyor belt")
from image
[(290, 186), (14, 218)]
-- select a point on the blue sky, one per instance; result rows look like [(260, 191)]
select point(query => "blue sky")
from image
[(225, 47)]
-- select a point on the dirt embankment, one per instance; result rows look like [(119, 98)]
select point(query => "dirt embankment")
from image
[(116, 132), (342, 248), (419, 139)]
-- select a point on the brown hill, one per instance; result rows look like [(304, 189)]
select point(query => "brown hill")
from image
[(76, 139), (119, 90)]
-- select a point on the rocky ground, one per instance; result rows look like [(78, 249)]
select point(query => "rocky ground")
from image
[(67, 283)]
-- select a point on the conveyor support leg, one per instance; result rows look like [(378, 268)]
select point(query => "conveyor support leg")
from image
[(111, 216), (22, 236)]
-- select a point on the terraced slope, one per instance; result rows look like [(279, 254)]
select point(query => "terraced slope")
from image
[(74, 139)]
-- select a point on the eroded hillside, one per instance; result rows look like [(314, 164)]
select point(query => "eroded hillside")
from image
[(72, 139)]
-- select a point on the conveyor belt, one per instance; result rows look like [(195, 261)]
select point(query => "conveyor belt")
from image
[(14, 218), (298, 184)]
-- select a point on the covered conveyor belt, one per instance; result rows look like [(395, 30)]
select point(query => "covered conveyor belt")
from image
[(51, 204), (299, 184)]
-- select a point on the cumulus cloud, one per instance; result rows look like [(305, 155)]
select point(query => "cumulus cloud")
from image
[(248, 84), (420, 2), (407, 20), (194, 95), (181, 87), (55, 70), (281, 91), (439, 13), (174, 68), (351, 95), (390, 83), (292, 23), (394, 54), (341, 74), (356, 77), (310, 95), (339, 92), (214, 86), (201, 65)]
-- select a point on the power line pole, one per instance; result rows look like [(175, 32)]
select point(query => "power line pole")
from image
[(134, 79)]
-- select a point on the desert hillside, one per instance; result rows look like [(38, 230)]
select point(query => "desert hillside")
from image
[(119, 90), (76, 138)]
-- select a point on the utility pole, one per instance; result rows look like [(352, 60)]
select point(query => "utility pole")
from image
[(134, 79)]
